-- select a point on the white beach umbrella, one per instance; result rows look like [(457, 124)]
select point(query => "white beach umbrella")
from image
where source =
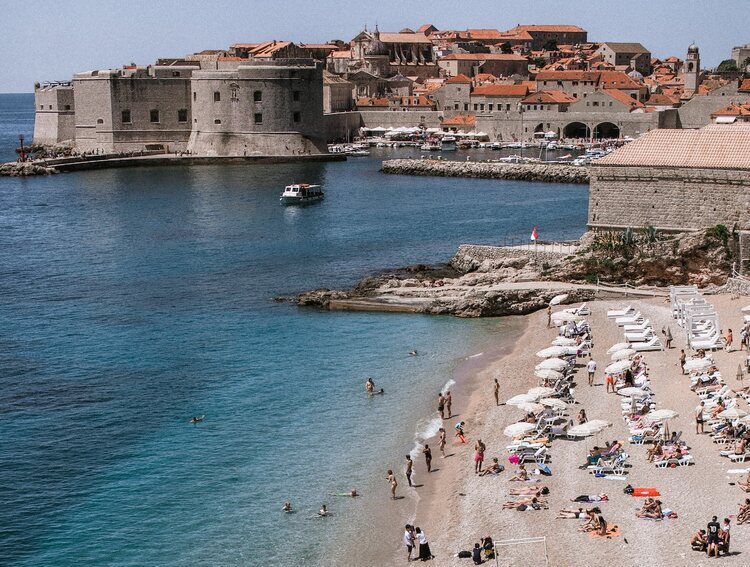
[(624, 354), (746, 309), (552, 352), (698, 364), (556, 403), (618, 367), (596, 425), (579, 431), (566, 316), (548, 374), (516, 429), (733, 413), (563, 341), (558, 299), (745, 420), (533, 407), (541, 391), (521, 399), (618, 346), (662, 415), (552, 364), (632, 392)]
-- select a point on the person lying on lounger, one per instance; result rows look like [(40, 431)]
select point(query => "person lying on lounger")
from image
[(534, 503), (655, 452), (529, 491), (580, 514)]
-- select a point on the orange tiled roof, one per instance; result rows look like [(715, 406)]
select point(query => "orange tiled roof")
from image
[(460, 120), (483, 34), (501, 90), (744, 86), (567, 76), (660, 99), (342, 54), (624, 98), (484, 57), (458, 79), (371, 101), (484, 77), (549, 97), (412, 37), (553, 28), (617, 80), (733, 110), (717, 146)]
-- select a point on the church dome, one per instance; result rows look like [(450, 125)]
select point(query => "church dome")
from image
[(693, 48), (635, 75)]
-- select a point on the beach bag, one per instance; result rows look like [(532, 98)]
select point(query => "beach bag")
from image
[(522, 508), (514, 459), (628, 489), (545, 470), (464, 554)]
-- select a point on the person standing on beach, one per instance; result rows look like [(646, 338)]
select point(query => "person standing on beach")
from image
[(391, 478), (427, 457), (448, 401), (699, 417), (727, 342), (442, 441), (683, 356), (549, 316), (409, 468), (478, 456), (408, 540), (713, 537), (497, 392), (441, 405), (591, 369)]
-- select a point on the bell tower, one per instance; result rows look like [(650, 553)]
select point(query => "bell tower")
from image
[(692, 71)]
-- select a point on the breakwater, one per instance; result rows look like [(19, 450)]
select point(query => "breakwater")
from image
[(24, 169), (551, 173)]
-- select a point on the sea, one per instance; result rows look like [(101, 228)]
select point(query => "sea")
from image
[(134, 299)]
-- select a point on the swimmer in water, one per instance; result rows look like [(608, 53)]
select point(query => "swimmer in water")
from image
[(287, 507), (369, 386), (352, 493), (323, 511), (196, 419), (413, 353)]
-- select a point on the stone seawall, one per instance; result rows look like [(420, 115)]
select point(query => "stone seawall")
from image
[(471, 257), (739, 286), (551, 173)]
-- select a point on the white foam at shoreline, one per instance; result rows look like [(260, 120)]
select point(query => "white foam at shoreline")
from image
[(475, 355)]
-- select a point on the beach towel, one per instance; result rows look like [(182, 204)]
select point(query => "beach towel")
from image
[(612, 531), (646, 491), (544, 469), (614, 477)]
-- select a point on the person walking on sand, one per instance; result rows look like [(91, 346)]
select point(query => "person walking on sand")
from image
[(549, 316), (699, 417), (427, 457), (728, 341), (610, 383), (441, 405), (391, 478), (409, 540), (497, 392), (448, 401), (591, 369), (409, 468), (442, 441), (683, 357)]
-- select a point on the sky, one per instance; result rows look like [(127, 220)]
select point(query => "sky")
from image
[(51, 40)]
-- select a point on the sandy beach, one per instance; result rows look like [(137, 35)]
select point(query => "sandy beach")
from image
[(456, 507)]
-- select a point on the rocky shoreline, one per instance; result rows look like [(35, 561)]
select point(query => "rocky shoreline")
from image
[(25, 169), (549, 173)]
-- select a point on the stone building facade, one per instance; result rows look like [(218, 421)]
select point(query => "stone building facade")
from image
[(54, 119), (675, 180)]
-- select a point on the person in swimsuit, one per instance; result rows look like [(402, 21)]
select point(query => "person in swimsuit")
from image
[(610, 383), (460, 431), (287, 507), (478, 456), (393, 482), (448, 401), (566, 514), (409, 468), (427, 457), (369, 386), (497, 392), (323, 511), (494, 468), (522, 475), (441, 405), (442, 441)]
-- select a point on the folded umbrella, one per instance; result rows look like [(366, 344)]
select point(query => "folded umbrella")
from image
[(624, 354), (541, 392), (618, 346), (552, 364), (516, 429)]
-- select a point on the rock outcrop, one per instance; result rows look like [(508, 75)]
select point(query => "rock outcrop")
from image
[(551, 173), (23, 169)]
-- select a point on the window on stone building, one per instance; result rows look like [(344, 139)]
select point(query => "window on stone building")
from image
[(295, 96), (297, 116), (455, 106), (466, 106), (217, 96), (217, 121), (507, 106), (258, 118), (175, 73), (126, 117), (481, 107), (67, 107), (154, 116), (100, 121), (257, 96), (50, 107), (490, 107), (195, 96), (596, 103), (182, 115), (41, 107), (476, 106)]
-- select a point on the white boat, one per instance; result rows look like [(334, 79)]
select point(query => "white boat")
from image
[(448, 144), (301, 194), (357, 153), (430, 147)]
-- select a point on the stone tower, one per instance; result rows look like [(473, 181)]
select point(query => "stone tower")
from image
[(692, 71)]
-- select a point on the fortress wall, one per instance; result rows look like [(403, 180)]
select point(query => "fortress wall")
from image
[(286, 120), (54, 119), (668, 198), (342, 126), (396, 119)]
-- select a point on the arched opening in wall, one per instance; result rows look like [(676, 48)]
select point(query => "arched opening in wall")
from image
[(576, 130), (539, 128), (606, 130)]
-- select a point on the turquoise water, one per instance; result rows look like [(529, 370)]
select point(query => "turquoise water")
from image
[(131, 300)]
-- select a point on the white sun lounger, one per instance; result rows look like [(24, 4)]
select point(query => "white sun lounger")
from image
[(614, 313), (637, 327), (629, 320), (653, 344)]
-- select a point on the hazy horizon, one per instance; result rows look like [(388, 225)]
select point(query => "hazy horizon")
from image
[(50, 42)]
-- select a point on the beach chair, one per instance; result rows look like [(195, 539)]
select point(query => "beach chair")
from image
[(583, 309), (614, 313), (739, 458), (653, 344), (613, 466), (539, 456), (629, 320), (645, 324), (673, 462)]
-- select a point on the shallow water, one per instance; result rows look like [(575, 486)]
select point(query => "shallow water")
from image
[(131, 300)]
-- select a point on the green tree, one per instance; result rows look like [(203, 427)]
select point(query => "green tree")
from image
[(540, 62), (506, 48), (727, 66), (550, 45), (745, 63)]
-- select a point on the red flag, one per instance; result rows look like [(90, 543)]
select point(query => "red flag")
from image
[(534, 234)]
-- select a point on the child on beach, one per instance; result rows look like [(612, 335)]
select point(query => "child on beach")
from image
[(460, 431)]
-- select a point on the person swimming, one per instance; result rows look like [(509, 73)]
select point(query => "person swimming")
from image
[(413, 353), (197, 419), (352, 493), (287, 507), (323, 511)]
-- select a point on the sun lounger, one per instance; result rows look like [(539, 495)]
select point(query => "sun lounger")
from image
[(739, 458), (614, 313), (646, 323), (672, 462), (539, 456), (653, 344), (614, 466), (629, 320)]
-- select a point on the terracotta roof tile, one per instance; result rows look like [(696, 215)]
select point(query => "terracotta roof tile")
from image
[(458, 79), (460, 120), (484, 57), (624, 98), (733, 110), (744, 86), (549, 97), (501, 90), (552, 28)]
